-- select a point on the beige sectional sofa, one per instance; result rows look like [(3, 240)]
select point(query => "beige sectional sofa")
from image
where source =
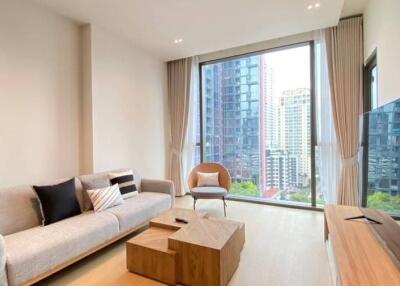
[(33, 252)]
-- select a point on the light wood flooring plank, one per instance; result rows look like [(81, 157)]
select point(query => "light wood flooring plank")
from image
[(284, 247)]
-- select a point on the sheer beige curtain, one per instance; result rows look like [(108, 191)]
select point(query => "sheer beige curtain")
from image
[(179, 77), (344, 46)]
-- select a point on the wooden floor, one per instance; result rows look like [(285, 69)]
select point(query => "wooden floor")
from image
[(283, 247)]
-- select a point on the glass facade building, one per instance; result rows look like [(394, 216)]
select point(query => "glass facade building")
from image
[(383, 158), (231, 116), (256, 121)]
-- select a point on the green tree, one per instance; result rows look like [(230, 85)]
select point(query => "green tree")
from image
[(384, 201), (300, 197), (247, 188)]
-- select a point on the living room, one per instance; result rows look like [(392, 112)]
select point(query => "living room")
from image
[(199, 142)]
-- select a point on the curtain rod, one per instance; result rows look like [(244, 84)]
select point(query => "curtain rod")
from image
[(350, 17)]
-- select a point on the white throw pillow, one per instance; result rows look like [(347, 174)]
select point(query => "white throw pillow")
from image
[(207, 179), (105, 198)]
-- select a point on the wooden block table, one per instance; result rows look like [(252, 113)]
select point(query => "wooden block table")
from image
[(206, 251), (167, 219)]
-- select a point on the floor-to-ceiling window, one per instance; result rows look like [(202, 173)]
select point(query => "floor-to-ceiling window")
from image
[(371, 83), (255, 117), (381, 146)]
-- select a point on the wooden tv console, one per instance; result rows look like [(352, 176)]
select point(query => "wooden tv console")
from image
[(362, 253)]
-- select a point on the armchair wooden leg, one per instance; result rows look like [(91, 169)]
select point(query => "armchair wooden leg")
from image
[(223, 200), (194, 202)]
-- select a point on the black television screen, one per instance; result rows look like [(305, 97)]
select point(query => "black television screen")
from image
[(380, 153)]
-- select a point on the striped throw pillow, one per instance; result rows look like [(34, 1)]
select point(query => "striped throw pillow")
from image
[(125, 182), (105, 198)]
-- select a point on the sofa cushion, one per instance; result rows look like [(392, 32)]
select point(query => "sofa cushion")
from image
[(92, 182), (40, 249), (139, 209), (19, 207), (97, 181)]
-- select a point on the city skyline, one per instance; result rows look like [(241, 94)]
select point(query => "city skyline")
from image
[(253, 125), (382, 145)]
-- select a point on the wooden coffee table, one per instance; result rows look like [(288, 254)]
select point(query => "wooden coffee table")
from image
[(206, 251)]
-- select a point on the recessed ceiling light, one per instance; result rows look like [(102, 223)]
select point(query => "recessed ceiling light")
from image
[(317, 5), (178, 41), (309, 7)]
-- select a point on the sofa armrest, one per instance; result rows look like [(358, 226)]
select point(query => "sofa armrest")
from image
[(159, 186), (3, 270)]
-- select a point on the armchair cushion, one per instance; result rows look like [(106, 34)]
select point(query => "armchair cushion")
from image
[(3, 270), (224, 178), (207, 179), (208, 192)]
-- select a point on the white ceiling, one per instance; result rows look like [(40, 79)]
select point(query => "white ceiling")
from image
[(353, 7), (204, 25)]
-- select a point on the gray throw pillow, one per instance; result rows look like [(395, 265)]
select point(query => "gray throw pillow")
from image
[(3, 270), (92, 182)]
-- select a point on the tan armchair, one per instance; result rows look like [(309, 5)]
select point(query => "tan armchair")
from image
[(210, 192)]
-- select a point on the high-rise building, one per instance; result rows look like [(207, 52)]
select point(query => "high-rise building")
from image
[(258, 135), (384, 150), (295, 122), (286, 136), (281, 169), (269, 114), (268, 119), (232, 116)]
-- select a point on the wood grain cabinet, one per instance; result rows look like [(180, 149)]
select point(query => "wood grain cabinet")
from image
[(362, 253)]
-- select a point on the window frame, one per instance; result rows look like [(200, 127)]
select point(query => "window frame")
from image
[(371, 63), (313, 145)]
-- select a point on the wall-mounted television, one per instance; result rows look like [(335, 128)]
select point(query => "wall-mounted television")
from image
[(380, 158)]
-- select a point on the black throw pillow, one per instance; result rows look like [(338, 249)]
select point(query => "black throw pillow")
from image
[(58, 201)]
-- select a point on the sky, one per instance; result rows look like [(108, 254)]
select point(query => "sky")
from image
[(291, 68)]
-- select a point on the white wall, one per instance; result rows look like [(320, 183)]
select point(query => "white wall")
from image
[(75, 99), (129, 106), (382, 31), (86, 106), (39, 94)]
